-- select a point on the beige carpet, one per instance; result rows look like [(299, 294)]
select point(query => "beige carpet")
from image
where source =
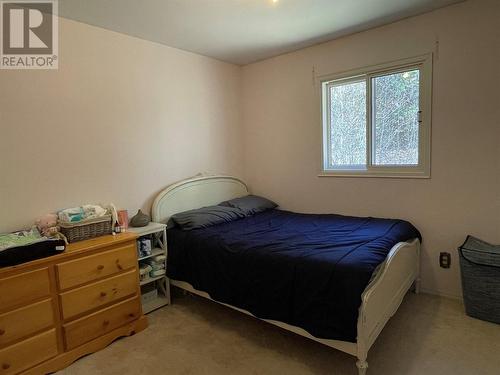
[(428, 335)]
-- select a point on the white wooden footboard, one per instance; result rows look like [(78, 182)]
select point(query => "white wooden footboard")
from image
[(385, 293)]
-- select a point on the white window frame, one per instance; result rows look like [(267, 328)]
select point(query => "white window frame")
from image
[(423, 169)]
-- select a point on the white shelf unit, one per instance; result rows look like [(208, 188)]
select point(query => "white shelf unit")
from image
[(151, 280), (157, 232)]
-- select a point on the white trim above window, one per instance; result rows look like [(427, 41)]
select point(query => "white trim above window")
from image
[(376, 121)]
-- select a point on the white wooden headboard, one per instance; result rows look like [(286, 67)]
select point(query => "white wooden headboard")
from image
[(194, 193)]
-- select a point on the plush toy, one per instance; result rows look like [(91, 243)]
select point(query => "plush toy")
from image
[(47, 225)]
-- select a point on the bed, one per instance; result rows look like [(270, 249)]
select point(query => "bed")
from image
[(199, 263)]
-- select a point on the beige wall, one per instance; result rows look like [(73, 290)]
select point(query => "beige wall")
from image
[(119, 120), (123, 117), (282, 132)]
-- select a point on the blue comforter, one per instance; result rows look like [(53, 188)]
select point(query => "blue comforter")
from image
[(302, 269)]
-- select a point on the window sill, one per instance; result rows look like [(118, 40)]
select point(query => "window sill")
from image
[(358, 174)]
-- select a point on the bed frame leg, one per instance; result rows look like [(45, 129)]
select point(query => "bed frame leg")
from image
[(362, 366)]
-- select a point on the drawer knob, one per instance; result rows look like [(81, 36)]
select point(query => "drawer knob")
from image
[(2, 332), (5, 366), (103, 294), (118, 264), (105, 323), (100, 267), (131, 315)]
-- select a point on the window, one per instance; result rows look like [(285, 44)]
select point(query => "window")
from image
[(376, 121)]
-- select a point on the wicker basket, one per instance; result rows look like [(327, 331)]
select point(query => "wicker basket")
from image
[(86, 229), (480, 266)]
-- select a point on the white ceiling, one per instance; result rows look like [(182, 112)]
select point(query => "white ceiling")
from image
[(242, 31)]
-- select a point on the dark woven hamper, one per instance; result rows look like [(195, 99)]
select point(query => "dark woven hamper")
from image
[(480, 267)]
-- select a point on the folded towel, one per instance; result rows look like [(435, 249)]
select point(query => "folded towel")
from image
[(85, 212), (159, 258), (92, 211), (71, 215)]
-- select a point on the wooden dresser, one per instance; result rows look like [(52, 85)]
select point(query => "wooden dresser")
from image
[(58, 309)]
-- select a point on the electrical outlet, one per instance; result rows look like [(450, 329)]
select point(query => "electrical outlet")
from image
[(444, 260)]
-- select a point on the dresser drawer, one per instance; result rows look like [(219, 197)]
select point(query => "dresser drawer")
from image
[(24, 321), (28, 353), (100, 293), (87, 328), (90, 268), (24, 288)]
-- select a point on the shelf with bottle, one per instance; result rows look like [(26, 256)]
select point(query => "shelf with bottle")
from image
[(152, 256)]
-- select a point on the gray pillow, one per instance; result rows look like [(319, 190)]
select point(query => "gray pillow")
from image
[(206, 216), (251, 204)]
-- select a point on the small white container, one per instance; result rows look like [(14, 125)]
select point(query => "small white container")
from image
[(148, 296)]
